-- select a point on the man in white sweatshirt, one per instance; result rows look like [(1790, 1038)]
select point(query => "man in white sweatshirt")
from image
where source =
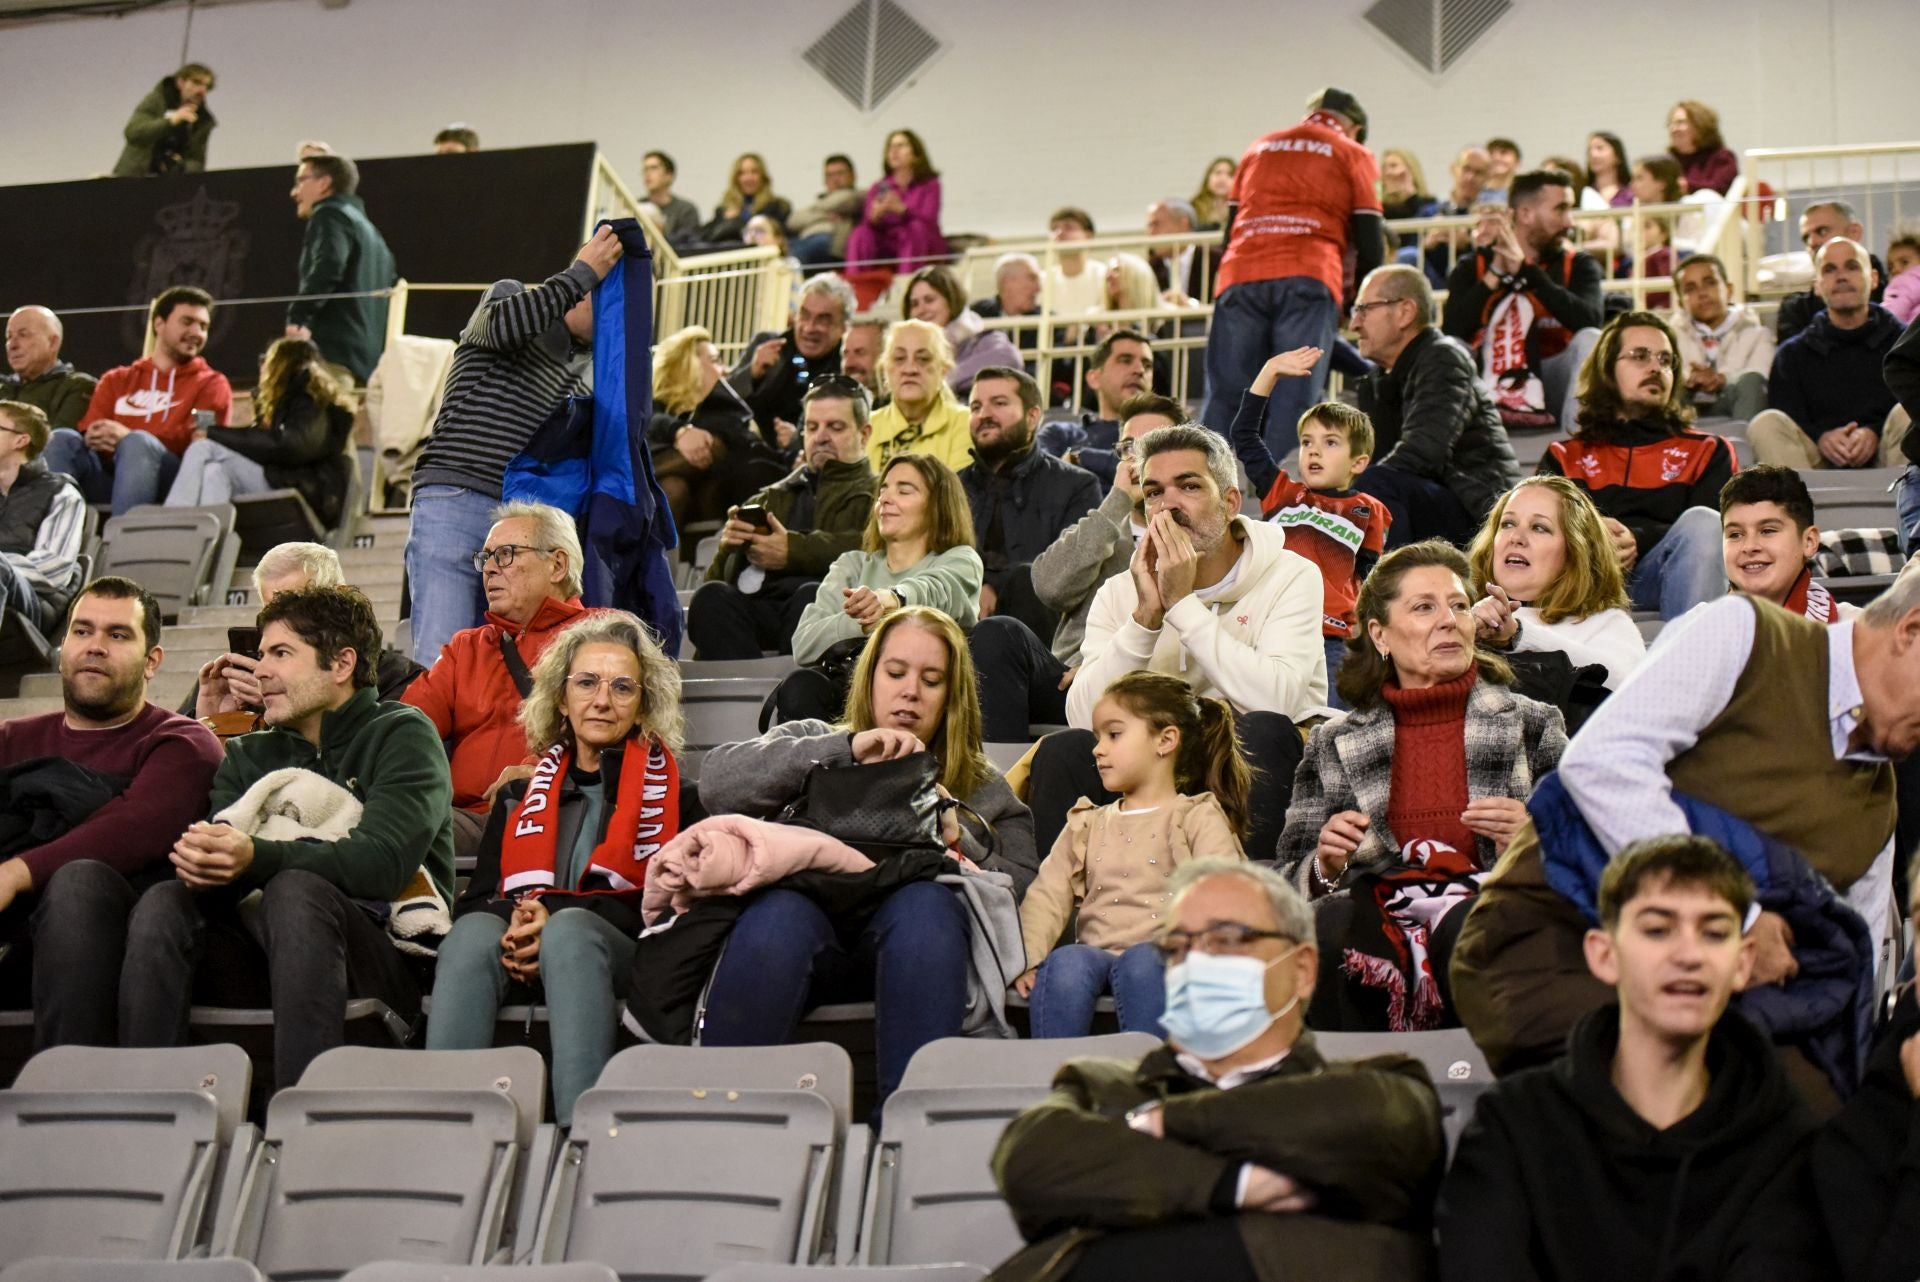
[(1209, 597), (1725, 350)]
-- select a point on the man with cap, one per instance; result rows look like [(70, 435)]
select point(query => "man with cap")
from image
[(1301, 197)]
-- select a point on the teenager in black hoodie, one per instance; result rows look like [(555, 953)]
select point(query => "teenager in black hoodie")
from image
[(1866, 1163), (1666, 1146)]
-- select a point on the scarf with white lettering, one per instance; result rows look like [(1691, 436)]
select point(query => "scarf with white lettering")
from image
[(1811, 599), (646, 815)]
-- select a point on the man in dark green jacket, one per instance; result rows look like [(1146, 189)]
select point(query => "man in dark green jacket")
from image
[(766, 574), (168, 130), (1235, 1151), (343, 253), (40, 378), (375, 832)]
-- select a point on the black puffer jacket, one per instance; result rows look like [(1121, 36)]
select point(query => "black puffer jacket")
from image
[(1432, 418), (303, 448)]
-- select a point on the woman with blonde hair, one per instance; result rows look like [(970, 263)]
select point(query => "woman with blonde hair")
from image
[(554, 901), (707, 453), (924, 416), (1129, 286), (749, 192), (914, 690), (302, 423), (1549, 580)]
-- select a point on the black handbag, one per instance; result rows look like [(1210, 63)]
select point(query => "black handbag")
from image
[(881, 809)]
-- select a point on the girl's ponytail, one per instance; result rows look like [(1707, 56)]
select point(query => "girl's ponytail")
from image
[(1213, 758)]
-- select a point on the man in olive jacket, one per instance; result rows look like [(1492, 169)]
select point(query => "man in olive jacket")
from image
[(320, 933), (343, 253), (168, 130), (1235, 1151), (766, 575)]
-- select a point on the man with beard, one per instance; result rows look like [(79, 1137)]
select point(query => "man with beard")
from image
[(780, 368), (136, 775), (143, 416), (1021, 497), (1655, 480), (1213, 598), (169, 128), (860, 356), (309, 933), (1121, 368), (1522, 299), (771, 560)]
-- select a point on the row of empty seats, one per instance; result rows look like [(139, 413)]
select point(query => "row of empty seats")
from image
[(680, 1162)]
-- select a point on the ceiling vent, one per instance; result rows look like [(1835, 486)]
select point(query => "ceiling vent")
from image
[(874, 50), (1435, 33)]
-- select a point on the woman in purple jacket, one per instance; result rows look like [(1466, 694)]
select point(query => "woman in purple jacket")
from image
[(1693, 137), (900, 222)]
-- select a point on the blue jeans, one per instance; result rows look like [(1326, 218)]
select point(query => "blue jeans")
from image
[(1257, 320), (450, 524), (1336, 655), (137, 472), (813, 251), (1907, 499), (1683, 569), (1072, 978), (212, 473), (785, 956), (586, 963), (18, 594)]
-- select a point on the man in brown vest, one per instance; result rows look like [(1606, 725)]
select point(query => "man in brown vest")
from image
[(1779, 720)]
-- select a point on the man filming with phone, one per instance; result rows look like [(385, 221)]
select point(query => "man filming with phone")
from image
[(776, 547)]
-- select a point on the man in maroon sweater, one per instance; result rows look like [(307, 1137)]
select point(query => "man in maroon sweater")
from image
[(64, 903)]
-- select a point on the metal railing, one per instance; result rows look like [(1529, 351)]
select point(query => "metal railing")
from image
[(1880, 180)]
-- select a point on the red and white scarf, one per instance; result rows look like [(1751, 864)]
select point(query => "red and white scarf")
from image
[(646, 815), (1811, 599)]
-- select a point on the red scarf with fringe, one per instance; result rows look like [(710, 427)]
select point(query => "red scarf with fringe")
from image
[(646, 815)]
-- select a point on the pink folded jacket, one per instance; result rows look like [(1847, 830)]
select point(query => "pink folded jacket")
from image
[(731, 855)]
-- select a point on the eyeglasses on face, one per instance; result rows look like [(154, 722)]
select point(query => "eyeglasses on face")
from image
[(1647, 356), (503, 555), (1222, 938), (587, 685), (1360, 310)]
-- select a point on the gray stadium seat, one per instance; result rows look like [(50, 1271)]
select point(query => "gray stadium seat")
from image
[(930, 1191), (116, 1153), (772, 665), (724, 710), (360, 1171), (395, 1271), (682, 1159), (1457, 1066), (49, 1269), (180, 554), (1530, 447), (1005, 756), (849, 1273)]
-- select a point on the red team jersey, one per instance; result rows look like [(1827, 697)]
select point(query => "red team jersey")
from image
[(1297, 189), (1335, 531)]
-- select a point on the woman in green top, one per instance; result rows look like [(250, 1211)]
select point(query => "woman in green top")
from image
[(918, 550), (554, 899)]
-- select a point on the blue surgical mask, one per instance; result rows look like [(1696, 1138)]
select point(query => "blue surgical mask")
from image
[(1217, 1004)]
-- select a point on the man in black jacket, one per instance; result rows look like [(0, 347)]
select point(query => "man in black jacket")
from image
[(1021, 497), (779, 368), (1441, 454), (1820, 223), (1668, 1142), (1521, 299), (342, 253)]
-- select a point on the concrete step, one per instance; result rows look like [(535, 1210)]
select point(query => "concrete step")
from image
[(367, 576), (11, 708), (385, 610)]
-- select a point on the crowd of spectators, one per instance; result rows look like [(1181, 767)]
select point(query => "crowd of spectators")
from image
[(1343, 723)]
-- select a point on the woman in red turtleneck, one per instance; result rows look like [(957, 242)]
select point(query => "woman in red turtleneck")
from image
[(1398, 807)]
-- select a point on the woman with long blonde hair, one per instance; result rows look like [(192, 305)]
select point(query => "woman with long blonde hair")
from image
[(707, 453)]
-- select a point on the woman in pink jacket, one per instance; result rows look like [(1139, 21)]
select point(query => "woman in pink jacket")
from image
[(900, 223)]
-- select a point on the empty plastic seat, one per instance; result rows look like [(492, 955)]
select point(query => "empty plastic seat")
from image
[(394, 1271), (1457, 1066), (682, 1159), (849, 1273), (176, 553), (47, 1269), (354, 1169), (109, 1153), (724, 710)]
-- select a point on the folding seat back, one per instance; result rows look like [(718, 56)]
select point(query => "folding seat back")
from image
[(114, 1153), (848, 1273), (1458, 1067), (58, 1269), (723, 710), (398, 1271), (176, 553)]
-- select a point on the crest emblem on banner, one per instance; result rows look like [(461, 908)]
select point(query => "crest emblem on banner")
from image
[(197, 242)]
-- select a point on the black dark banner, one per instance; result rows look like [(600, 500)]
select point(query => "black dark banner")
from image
[(113, 241)]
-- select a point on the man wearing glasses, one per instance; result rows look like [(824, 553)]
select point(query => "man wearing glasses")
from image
[(530, 569), (1654, 478), (342, 252), (1236, 1150), (1441, 454)]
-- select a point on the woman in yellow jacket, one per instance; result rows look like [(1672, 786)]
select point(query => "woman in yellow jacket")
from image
[(924, 416)]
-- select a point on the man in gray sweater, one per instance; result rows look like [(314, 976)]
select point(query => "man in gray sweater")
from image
[(1099, 545)]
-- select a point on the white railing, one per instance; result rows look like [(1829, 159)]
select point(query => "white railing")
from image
[(1880, 180)]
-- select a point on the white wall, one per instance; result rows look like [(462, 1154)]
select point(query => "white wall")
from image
[(1014, 112)]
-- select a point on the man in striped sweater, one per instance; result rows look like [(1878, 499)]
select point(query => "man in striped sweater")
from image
[(524, 352), (43, 521)]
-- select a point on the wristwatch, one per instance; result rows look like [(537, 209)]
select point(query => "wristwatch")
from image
[(1138, 1115)]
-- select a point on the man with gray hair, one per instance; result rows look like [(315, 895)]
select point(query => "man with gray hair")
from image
[(1214, 599), (39, 377), (1016, 292), (779, 368), (530, 564), (1184, 274), (1441, 454), (227, 684), (1786, 723), (1235, 1150), (1820, 222), (523, 353)]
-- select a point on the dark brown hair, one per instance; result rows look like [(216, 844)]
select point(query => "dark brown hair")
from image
[(1209, 759), (1679, 859), (1349, 422), (942, 281), (179, 296), (330, 620), (1602, 408), (1769, 483), (115, 588), (338, 170), (1365, 669), (922, 167)]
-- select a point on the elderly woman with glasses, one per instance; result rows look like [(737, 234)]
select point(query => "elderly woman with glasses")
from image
[(553, 904)]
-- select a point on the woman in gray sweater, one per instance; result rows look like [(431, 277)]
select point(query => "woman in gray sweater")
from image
[(913, 691)]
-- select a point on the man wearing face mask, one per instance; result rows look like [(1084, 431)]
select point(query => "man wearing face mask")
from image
[(1235, 1150)]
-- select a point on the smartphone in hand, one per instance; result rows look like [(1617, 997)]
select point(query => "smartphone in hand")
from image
[(754, 514), (244, 641)]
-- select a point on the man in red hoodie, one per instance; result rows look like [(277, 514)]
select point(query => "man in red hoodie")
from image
[(142, 416), (530, 568)]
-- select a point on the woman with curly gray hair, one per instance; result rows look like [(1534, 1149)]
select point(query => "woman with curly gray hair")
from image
[(555, 897)]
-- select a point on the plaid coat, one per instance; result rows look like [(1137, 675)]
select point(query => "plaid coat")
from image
[(1511, 741)]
